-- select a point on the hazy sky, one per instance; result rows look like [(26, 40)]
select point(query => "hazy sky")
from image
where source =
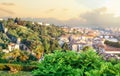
[(64, 10)]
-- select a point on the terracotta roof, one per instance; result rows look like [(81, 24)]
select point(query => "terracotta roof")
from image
[(11, 44), (100, 45), (109, 48)]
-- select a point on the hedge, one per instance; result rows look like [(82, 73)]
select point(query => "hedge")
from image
[(19, 67)]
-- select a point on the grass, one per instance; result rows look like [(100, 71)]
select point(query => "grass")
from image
[(20, 73)]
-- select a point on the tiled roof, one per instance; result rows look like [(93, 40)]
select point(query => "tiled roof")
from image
[(109, 48)]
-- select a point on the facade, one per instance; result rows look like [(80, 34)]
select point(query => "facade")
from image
[(1, 19), (13, 46)]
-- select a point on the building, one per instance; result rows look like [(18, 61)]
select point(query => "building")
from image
[(13, 46), (78, 46), (40, 23), (1, 19)]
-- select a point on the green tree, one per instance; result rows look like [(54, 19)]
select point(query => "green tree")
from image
[(46, 45), (65, 46), (86, 48), (14, 55), (29, 24), (23, 57)]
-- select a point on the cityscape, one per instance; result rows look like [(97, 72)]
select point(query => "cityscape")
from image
[(59, 38)]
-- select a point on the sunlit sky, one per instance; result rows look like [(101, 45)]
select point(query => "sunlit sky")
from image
[(58, 9)]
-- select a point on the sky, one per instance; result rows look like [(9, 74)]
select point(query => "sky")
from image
[(70, 12)]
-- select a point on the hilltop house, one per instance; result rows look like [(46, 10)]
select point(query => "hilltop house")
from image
[(1, 19), (42, 23), (13, 46)]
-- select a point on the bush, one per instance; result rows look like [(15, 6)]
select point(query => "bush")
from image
[(18, 67), (15, 66), (2, 67), (29, 67), (20, 73), (87, 63)]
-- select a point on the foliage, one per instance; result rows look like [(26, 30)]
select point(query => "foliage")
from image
[(86, 63), (4, 40), (17, 57), (65, 46), (32, 35), (20, 73), (38, 39), (18, 67)]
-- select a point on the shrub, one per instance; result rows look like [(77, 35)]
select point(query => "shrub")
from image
[(87, 63), (15, 66), (18, 67), (2, 67)]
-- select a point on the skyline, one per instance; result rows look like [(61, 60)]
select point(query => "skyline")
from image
[(90, 12)]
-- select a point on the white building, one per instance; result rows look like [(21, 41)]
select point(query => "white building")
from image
[(40, 23), (13, 46), (47, 24), (1, 19)]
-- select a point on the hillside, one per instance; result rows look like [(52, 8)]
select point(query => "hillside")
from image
[(31, 34)]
